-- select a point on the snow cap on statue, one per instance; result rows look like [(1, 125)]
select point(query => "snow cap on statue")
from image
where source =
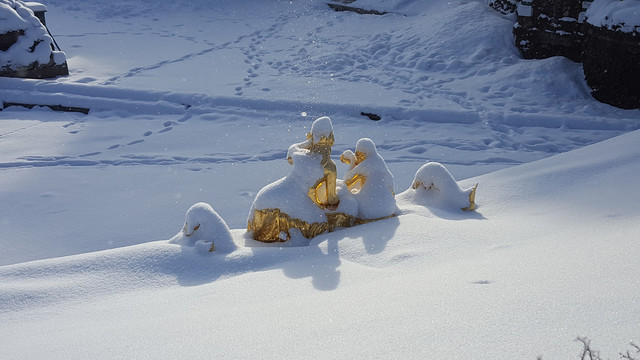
[(321, 127), (366, 146)]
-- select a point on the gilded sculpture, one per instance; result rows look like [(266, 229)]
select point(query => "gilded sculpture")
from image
[(311, 200)]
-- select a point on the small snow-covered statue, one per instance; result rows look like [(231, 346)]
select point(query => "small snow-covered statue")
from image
[(205, 230), (370, 182), (318, 144), (310, 199), (434, 186)]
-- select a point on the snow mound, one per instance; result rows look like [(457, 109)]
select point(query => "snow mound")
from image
[(434, 186), (620, 15), (205, 230)]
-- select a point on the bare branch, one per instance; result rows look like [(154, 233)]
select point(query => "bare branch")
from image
[(628, 355), (587, 353)]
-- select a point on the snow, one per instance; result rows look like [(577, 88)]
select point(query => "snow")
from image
[(205, 229), (321, 127), (618, 15), (192, 102), (375, 195), (434, 186), (35, 6), (11, 21)]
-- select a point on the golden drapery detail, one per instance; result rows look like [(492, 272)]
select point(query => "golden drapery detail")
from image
[(360, 157), (273, 225), (323, 192), (318, 193), (472, 195), (355, 183)]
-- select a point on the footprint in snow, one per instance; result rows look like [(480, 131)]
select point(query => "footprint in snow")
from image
[(482, 282), (90, 154)]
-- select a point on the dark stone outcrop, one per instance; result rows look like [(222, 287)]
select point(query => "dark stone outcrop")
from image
[(551, 28), (611, 65), (610, 57)]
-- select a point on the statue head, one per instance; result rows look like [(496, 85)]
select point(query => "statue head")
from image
[(322, 131), (364, 148)]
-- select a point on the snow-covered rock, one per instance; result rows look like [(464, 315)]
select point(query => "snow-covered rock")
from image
[(26, 49), (205, 230)]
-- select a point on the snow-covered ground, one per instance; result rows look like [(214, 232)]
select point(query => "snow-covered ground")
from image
[(192, 101)]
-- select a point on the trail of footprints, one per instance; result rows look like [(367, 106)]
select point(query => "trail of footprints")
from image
[(84, 159), (254, 53), (166, 126)]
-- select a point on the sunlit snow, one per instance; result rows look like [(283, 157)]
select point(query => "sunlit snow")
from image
[(198, 102)]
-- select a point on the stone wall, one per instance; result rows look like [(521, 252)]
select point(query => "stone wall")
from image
[(610, 57), (548, 28), (611, 65)]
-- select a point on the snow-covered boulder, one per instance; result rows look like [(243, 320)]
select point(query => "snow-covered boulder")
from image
[(434, 186), (205, 230), (370, 181), (26, 49)]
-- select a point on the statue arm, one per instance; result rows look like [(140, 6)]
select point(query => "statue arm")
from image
[(304, 146), (348, 157)]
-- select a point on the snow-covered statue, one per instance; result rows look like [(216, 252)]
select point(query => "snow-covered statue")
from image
[(370, 182), (318, 146), (310, 199), (434, 186), (205, 230)]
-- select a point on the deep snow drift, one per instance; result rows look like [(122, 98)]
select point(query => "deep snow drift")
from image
[(196, 102), (550, 254)]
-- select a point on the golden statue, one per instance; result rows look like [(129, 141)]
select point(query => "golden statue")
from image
[(307, 199), (311, 200), (370, 182), (319, 141)]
